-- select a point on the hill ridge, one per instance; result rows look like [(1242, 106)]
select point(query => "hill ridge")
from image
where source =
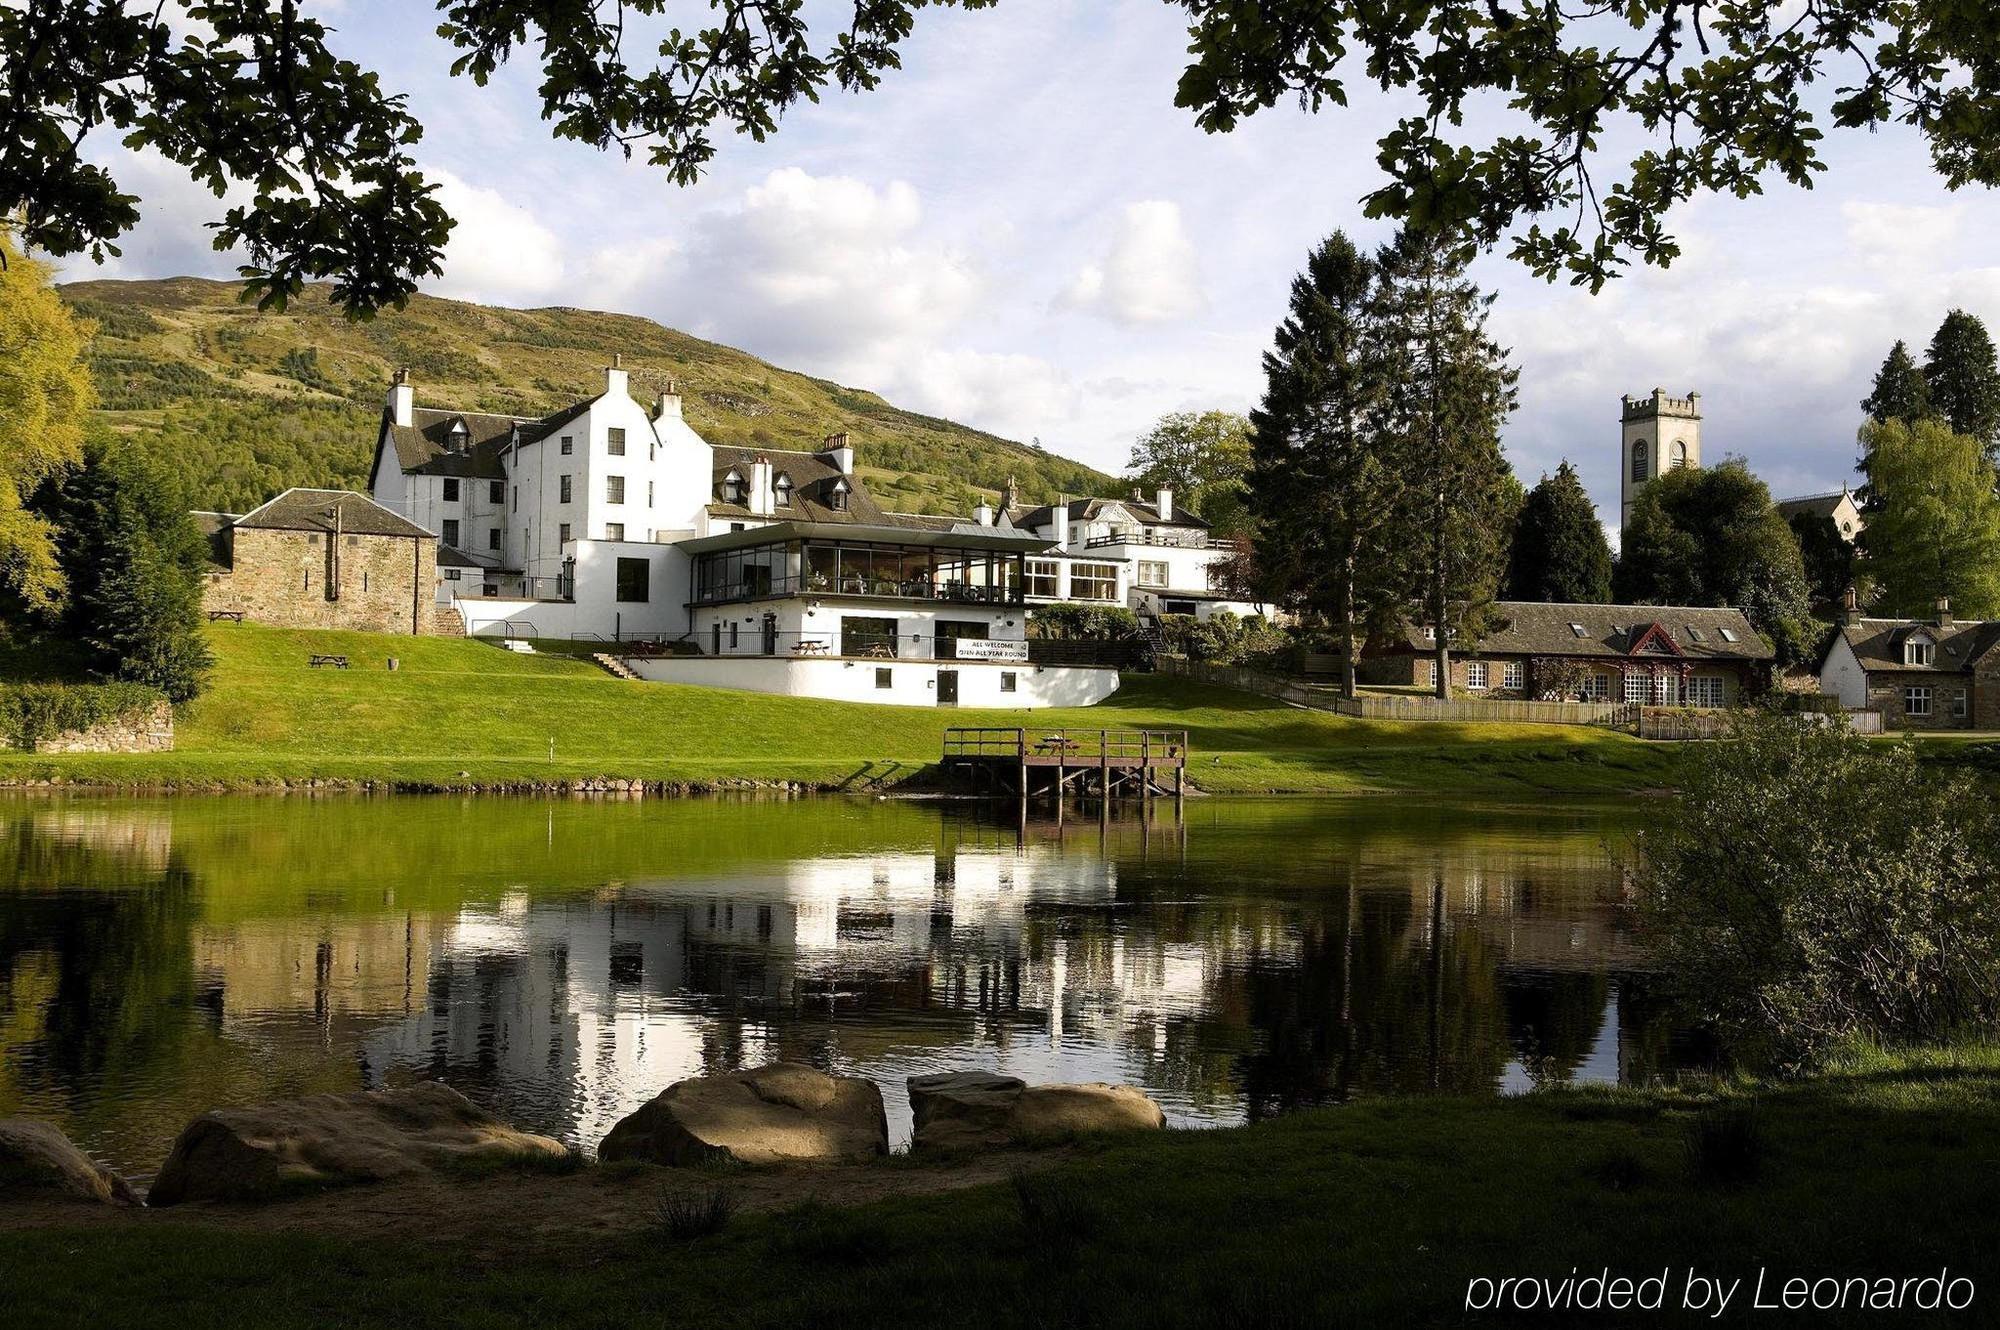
[(244, 403)]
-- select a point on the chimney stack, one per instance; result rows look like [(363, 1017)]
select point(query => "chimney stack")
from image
[(983, 514), (1849, 610), (1010, 498), (1165, 503), (840, 452), (1060, 514), (762, 502), (669, 405), (617, 383), (1944, 611), (402, 399)]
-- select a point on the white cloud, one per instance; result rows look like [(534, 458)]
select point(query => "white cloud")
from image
[(499, 252), (1149, 274), (1894, 235)]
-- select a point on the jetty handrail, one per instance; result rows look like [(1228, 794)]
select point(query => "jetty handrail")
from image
[(1075, 745)]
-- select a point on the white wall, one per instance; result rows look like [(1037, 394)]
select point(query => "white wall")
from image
[(916, 626), (596, 609), (912, 683), (1843, 677)]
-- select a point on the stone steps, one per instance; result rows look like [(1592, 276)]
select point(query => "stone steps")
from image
[(447, 621), (613, 665)]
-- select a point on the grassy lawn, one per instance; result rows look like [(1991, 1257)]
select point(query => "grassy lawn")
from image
[(463, 714), (1376, 1213)]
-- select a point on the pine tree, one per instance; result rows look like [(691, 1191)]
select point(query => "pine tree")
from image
[(1450, 391), (1322, 486), (1964, 380), (1899, 393), (134, 561), (1936, 529), (1560, 553), (45, 397)]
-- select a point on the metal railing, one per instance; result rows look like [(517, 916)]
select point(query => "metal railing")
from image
[(1160, 540), (753, 640), (874, 588)]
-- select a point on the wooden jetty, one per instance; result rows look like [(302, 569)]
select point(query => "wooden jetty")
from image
[(1111, 764)]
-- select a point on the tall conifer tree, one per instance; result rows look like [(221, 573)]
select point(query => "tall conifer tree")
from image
[(1450, 392), (1560, 553), (1964, 380), (1323, 482)]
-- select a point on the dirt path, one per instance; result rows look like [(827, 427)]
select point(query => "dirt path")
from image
[(501, 1208)]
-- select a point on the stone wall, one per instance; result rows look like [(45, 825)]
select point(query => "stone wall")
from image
[(1950, 696), (384, 584), (150, 731)]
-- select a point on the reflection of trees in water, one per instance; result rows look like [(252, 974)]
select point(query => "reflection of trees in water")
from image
[(1553, 1021)]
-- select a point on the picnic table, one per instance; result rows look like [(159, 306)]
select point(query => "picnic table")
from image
[(882, 649), (234, 616), (337, 662), (804, 647), (1060, 745)]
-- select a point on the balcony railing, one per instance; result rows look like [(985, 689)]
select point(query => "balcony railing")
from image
[(882, 588), (1160, 540)]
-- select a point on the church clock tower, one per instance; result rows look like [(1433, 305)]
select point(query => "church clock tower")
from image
[(1659, 433)]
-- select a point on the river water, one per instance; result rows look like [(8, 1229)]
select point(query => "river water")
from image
[(561, 962)]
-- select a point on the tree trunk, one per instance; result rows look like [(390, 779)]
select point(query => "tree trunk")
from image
[(1351, 652)]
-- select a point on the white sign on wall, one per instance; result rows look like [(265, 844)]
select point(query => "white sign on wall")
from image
[(970, 648)]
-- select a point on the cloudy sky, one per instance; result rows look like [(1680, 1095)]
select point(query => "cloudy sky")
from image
[(1021, 232)]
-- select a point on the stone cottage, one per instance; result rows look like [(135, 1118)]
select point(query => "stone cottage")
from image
[(315, 558), (1940, 673), (1658, 655)]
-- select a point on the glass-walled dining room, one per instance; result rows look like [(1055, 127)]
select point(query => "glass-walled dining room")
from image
[(859, 568)]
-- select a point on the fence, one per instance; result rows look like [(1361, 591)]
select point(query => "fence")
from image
[(1616, 714)]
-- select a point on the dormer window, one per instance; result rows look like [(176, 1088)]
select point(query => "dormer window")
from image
[(836, 498), (781, 490), (732, 487), (1919, 650), (458, 436)]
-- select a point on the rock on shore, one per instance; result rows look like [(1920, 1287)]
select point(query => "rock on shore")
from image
[(35, 1157), (963, 1110), (783, 1113), (263, 1151)]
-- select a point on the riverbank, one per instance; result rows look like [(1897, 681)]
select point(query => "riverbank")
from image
[(1380, 1212), (465, 715)]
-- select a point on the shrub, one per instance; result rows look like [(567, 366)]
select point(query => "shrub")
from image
[(1810, 887), (33, 712), (1225, 639), (1085, 623), (694, 1212)]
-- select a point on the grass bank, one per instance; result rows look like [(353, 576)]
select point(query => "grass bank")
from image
[(1376, 1213), (463, 715)]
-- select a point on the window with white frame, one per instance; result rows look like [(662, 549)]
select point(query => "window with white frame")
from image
[(1958, 704), (1475, 675), (781, 489), (1705, 690), (614, 489), (1638, 686), (1427, 673), (614, 442), (1917, 700), (1919, 650), (1093, 581), (614, 531), (1512, 676), (1040, 578), (1152, 573), (1666, 690), (1596, 687), (565, 490)]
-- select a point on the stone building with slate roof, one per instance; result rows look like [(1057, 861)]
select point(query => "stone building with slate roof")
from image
[(315, 558), (1940, 673), (766, 569), (1655, 655)]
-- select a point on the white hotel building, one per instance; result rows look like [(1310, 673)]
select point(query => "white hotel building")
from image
[(762, 569)]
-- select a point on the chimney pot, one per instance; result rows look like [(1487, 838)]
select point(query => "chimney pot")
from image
[(1944, 611)]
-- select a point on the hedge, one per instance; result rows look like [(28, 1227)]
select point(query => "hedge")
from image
[(32, 712)]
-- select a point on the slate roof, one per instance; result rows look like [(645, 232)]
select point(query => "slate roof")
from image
[(1821, 505), (307, 510), (1088, 510), (813, 477), (1533, 628), (423, 447), (1878, 644)]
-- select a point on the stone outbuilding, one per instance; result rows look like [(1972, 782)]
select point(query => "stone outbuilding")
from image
[(1652, 655), (319, 558)]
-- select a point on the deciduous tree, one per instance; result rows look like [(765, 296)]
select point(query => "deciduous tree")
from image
[(1935, 531), (45, 396), (1711, 536), (1204, 457), (1716, 98), (1560, 553)]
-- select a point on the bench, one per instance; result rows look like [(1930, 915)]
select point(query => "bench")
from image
[(809, 648), (234, 616), (337, 662)]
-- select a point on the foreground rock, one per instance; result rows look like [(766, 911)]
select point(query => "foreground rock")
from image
[(964, 1110), (264, 1151), (35, 1157), (784, 1113)]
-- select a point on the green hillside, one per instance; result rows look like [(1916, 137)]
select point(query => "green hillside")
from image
[(244, 404)]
